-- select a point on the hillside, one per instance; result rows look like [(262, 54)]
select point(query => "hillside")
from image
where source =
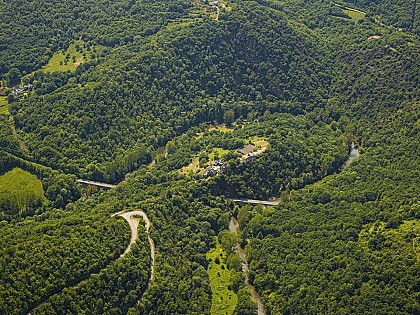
[(143, 95), (186, 106)]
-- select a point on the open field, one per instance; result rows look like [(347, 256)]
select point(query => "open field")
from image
[(21, 188), (224, 300), (261, 143), (217, 153), (4, 105), (221, 128), (70, 59), (192, 167), (355, 16)]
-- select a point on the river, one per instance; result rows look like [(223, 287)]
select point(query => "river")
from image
[(234, 228)]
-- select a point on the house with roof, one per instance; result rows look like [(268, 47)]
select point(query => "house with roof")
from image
[(218, 167), (247, 149)]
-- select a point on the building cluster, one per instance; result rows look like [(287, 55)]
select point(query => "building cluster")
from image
[(18, 91), (218, 167), (214, 4)]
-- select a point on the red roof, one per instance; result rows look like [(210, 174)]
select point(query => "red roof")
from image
[(248, 149)]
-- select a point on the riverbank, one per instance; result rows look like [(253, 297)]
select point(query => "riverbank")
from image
[(234, 228)]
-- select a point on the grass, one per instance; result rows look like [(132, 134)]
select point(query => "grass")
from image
[(175, 25), (221, 128), (408, 229), (219, 151), (21, 186), (223, 300), (261, 143), (192, 167), (4, 105), (58, 62), (355, 16)]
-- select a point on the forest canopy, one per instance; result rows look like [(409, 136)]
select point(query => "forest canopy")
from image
[(194, 110)]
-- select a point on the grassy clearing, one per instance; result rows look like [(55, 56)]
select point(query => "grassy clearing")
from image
[(192, 167), (70, 59), (221, 128), (175, 25), (217, 153), (261, 143), (223, 300), (4, 105), (21, 187), (355, 16), (395, 238)]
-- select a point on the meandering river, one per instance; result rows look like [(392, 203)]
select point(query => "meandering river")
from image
[(234, 228)]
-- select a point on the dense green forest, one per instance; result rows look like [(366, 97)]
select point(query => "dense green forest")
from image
[(162, 92)]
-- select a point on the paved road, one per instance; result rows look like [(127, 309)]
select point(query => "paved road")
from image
[(134, 224)]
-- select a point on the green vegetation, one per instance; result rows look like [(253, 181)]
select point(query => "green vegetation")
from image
[(398, 13), (4, 105), (132, 280), (74, 56), (221, 128), (217, 153), (79, 146), (20, 193), (398, 236), (356, 16), (171, 85), (224, 300)]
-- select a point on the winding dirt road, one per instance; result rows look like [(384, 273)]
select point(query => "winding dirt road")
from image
[(134, 222)]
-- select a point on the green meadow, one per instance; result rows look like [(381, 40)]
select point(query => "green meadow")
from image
[(224, 300), (69, 60), (355, 16), (19, 191)]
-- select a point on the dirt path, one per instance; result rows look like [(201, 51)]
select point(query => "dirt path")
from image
[(134, 222), (350, 9)]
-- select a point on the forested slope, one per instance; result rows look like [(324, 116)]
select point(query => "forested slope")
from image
[(348, 244), (295, 75), (144, 95), (30, 32)]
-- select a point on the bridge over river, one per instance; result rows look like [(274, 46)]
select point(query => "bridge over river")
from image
[(255, 201), (98, 184)]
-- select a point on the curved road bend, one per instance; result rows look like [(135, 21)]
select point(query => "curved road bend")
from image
[(134, 224)]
